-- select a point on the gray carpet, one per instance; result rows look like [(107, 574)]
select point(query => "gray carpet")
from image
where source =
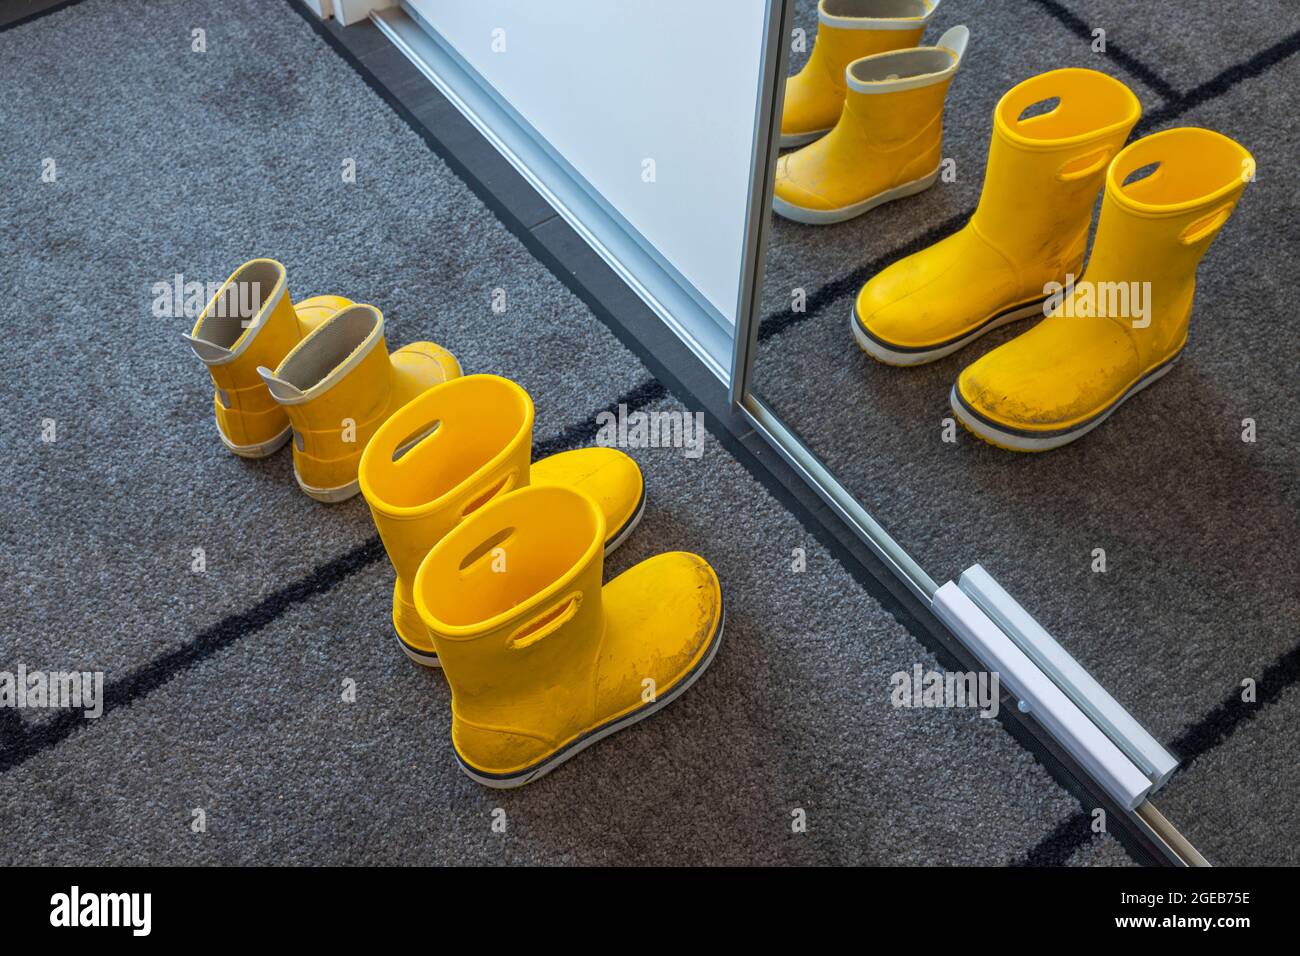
[(226, 686), (1199, 528)]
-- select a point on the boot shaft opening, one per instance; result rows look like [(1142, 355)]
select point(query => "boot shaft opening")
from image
[(452, 435), (1188, 167), (844, 13), (505, 562), (909, 69), (230, 313), (1089, 105)]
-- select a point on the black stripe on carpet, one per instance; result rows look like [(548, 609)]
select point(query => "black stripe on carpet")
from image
[(584, 432), (20, 744), (848, 284), (35, 14), (1216, 726), (1194, 742), (135, 685), (1216, 86), (1132, 64)]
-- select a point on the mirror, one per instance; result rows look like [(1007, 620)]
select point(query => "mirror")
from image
[(640, 132), (1157, 544)]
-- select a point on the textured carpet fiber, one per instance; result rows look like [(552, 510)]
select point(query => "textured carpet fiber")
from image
[(225, 688), (1199, 528)]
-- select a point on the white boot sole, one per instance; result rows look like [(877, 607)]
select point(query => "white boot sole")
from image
[(260, 450), (600, 733), (884, 354), (1018, 441), (824, 217), (431, 660), (328, 495)]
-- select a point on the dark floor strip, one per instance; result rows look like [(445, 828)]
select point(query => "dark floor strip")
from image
[(1196, 741), (1218, 85), (19, 13), (849, 284), (12, 728), (1055, 849), (151, 676), (584, 432), (21, 744), (1132, 64), (1219, 724)]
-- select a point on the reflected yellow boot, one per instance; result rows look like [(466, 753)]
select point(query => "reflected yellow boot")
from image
[(847, 30), (339, 385), (1121, 326), (251, 322), (452, 450), (1030, 229), (888, 141), (543, 661)]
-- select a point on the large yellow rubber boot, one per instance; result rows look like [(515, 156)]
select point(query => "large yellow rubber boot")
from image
[(1122, 326), (1030, 228), (339, 385), (887, 144), (543, 661), (847, 30), (250, 322), (452, 450)]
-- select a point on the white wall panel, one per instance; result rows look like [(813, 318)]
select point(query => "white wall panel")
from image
[(612, 83)]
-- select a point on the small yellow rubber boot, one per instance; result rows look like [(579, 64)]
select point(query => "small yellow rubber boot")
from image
[(887, 144), (543, 661), (452, 450), (250, 322), (1045, 169), (1122, 326), (339, 385), (847, 30)]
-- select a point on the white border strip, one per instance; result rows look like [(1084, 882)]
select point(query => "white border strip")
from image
[(1046, 702), (1157, 763)]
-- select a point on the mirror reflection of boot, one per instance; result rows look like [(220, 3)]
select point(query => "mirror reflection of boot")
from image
[(1045, 168), (847, 30), (887, 144), (1123, 325)]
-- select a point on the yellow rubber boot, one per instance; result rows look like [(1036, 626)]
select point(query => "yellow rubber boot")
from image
[(339, 385), (251, 322), (1030, 228), (452, 450), (887, 144), (1122, 326), (847, 30), (543, 661)]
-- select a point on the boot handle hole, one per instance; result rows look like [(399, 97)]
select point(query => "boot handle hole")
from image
[(408, 443), (1205, 226), (486, 548), (1081, 167), (546, 623), (1141, 173), (479, 500), (1040, 109)]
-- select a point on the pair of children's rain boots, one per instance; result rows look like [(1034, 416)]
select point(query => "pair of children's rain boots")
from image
[(318, 370), (499, 559), (500, 564), (869, 103), (1058, 139)]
